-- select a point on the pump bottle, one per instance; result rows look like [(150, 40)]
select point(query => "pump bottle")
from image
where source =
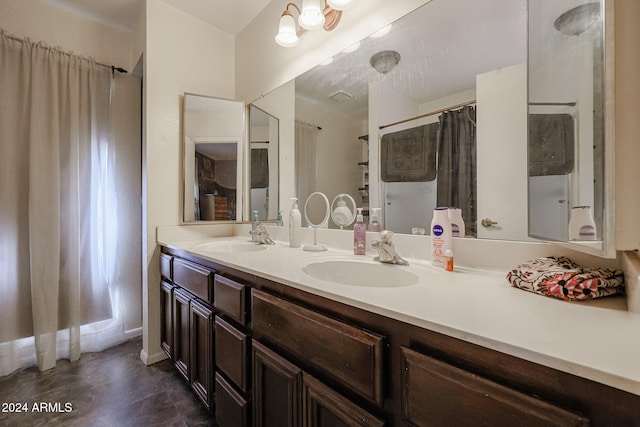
[(441, 239), (295, 224), (374, 224), (359, 235)]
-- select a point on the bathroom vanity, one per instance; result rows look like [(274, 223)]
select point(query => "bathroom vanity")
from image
[(263, 343)]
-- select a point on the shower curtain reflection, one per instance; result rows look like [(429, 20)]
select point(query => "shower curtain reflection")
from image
[(457, 164)]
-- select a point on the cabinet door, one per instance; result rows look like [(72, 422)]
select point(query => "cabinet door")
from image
[(435, 393), (166, 316), (232, 351), (324, 407), (201, 331), (276, 389), (181, 332)]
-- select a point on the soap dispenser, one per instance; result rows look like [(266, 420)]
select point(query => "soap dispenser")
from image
[(359, 235), (374, 224), (295, 224), (255, 220)]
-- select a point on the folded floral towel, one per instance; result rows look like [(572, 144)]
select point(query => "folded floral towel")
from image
[(562, 278)]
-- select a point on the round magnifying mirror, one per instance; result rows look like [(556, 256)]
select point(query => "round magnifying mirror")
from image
[(343, 210), (316, 213)]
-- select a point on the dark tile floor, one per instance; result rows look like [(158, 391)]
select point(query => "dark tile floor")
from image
[(110, 388)]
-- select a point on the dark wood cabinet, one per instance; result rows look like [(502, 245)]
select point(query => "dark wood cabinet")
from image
[(324, 407), (181, 324), (277, 385), (435, 393), (261, 353), (166, 315), (202, 350)]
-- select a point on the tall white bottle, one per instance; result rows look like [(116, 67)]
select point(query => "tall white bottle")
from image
[(457, 223), (295, 224), (581, 224), (441, 238)]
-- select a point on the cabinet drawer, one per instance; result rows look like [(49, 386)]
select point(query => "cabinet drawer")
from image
[(232, 353), (165, 266), (435, 393), (232, 410), (194, 278), (350, 355), (231, 298)]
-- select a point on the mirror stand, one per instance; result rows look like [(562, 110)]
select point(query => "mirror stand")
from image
[(323, 203)]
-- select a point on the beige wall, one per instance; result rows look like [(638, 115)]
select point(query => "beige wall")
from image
[(182, 54), (42, 22), (627, 54)]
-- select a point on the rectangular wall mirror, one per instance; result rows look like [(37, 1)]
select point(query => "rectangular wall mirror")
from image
[(264, 191), (452, 54), (569, 124), (212, 159)]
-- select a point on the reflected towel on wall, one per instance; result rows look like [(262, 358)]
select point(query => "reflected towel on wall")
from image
[(409, 155), (562, 278), (551, 138), (259, 168)]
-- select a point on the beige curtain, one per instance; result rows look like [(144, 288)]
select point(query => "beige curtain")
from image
[(306, 140), (56, 204)]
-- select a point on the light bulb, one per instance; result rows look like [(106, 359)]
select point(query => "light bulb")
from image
[(311, 16), (287, 36), (339, 4)]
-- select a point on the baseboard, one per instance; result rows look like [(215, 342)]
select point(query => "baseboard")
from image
[(150, 359), (133, 333)]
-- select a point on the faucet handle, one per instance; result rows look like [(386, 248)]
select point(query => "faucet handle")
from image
[(386, 235)]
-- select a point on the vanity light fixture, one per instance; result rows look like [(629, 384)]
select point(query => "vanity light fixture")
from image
[(315, 14)]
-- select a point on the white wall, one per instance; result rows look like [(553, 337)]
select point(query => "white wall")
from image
[(56, 27), (182, 54), (627, 129)]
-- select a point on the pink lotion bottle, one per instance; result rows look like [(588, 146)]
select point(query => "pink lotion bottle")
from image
[(359, 235)]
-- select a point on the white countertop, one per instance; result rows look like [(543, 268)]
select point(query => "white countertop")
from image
[(597, 339)]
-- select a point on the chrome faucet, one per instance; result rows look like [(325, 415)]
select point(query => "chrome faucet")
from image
[(261, 236), (386, 250)]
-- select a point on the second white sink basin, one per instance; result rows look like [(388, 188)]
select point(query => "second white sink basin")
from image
[(355, 273), (231, 246)]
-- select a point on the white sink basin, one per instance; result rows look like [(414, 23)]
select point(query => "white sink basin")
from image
[(230, 246), (356, 273)]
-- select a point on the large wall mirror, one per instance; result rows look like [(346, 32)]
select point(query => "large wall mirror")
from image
[(429, 111), (264, 137), (212, 159), (568, 123), (372, 121)]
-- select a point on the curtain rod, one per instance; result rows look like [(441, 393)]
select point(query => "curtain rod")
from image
[(309, 124), (21, 40), (565, 104), (442, 110)]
